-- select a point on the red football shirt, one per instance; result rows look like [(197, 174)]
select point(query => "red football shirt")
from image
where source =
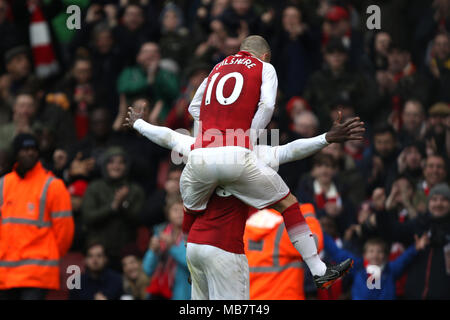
[(231, 96), (222, 225)]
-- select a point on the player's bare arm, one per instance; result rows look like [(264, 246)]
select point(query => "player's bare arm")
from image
[(162, 136)]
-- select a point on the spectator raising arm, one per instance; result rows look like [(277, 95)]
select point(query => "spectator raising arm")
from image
[(338, 254)]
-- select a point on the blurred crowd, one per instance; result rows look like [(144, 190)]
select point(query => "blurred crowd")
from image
[(71, 89)]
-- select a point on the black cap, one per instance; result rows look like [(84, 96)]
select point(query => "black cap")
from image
[(24, 140)]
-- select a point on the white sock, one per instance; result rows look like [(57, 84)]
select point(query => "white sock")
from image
[(306, 246), (316, 265)]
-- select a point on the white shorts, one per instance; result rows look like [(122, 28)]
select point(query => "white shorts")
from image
[(217, 274), (237, 170)]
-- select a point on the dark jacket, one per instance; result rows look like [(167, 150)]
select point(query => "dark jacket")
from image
[(325, 90), (384, 179), (305, 194), (144, 156), (295, 60), (428, 276), (232, 21), (109, 283), (113, 228)]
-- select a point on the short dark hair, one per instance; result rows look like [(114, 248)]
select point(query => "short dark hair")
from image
[(135, 3), (408, 179), (395, 46), (93, 243), (377, 241), (131, 249), (418, 145), (101, 27), (383, 127), (437, 155), (335, 45), (100, 108), (324, 159), (82, 57), (15, 51)]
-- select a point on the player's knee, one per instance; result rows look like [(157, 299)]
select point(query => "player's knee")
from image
[(285, 203)]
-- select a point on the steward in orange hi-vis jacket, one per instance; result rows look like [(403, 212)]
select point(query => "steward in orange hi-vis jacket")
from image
[(36, 224), (276, 271)]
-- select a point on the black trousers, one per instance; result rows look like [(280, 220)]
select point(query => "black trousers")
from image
[(23, 294)]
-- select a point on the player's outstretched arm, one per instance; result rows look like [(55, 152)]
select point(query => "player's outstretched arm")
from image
[(162, 136), (352, 129)]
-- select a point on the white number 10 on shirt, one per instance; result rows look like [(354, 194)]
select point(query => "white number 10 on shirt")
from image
[(219, 89)]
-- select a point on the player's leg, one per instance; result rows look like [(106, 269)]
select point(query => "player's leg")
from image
[(199, 282), (303, 240), (227, 274), (300, 234), (260, 186), (204, 170), (197, 182)]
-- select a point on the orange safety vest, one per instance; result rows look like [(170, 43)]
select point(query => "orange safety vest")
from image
[(276, 268), (36, 229)]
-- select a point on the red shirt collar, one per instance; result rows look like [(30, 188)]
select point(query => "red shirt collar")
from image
[(244, 53)]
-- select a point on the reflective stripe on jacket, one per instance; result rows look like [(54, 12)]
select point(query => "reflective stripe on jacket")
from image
[(276, 267), (36, 228)]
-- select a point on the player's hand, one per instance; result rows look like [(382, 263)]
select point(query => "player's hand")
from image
[(133, 114), (352, 129)]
